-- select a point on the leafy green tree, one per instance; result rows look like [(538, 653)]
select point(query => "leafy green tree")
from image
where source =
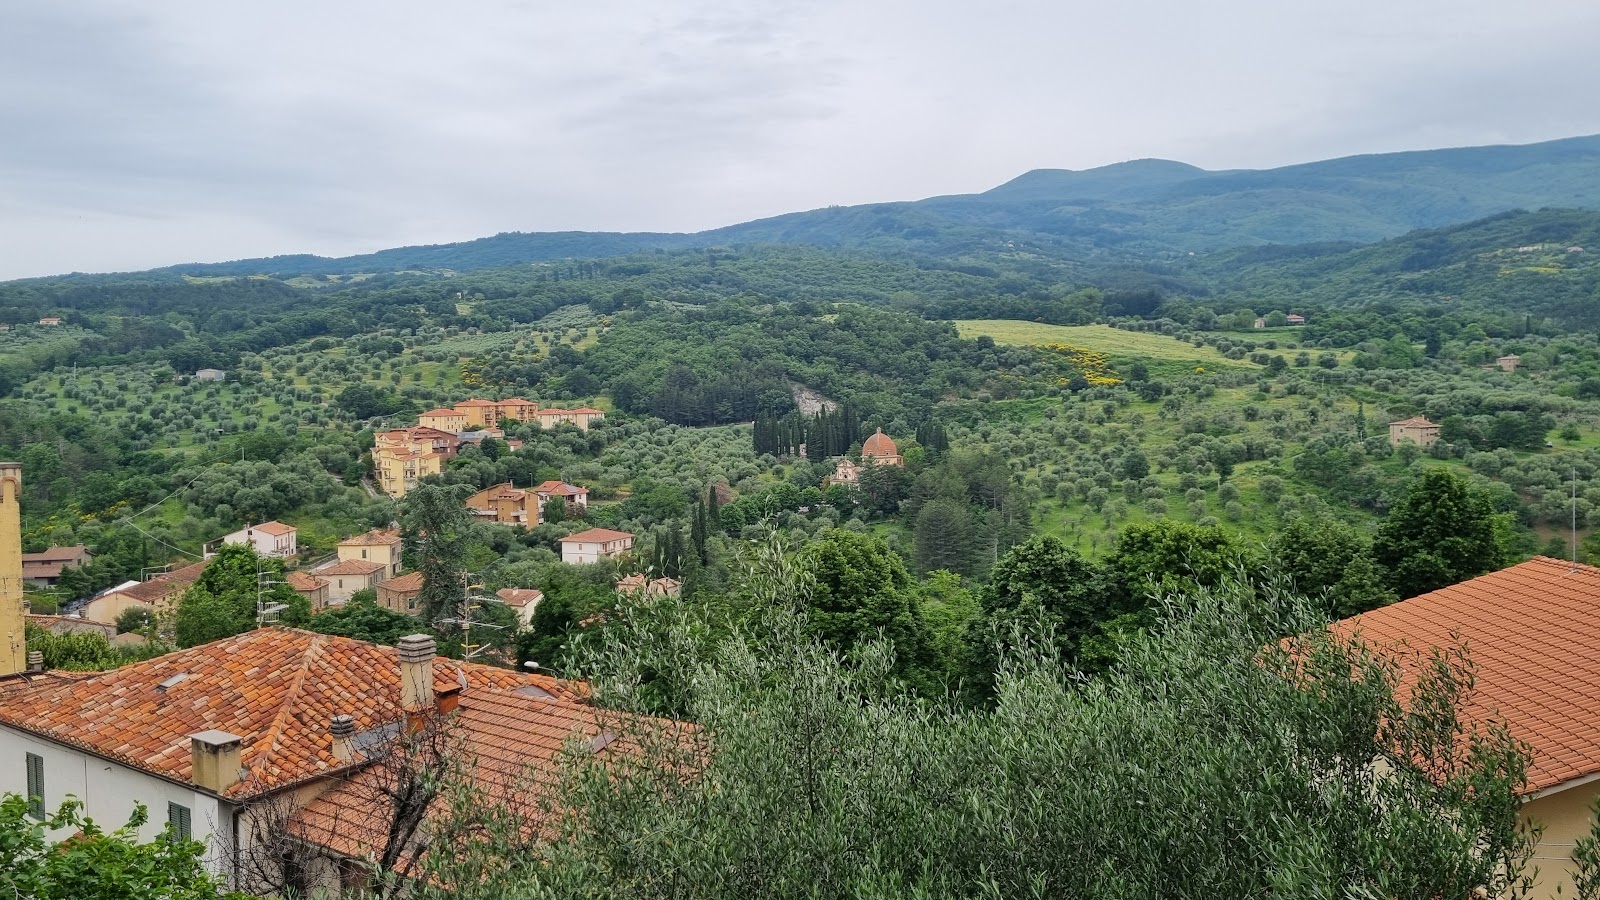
[(1041, 590), (93, 864), (1326, 558), (1164, 556), (1441, 533), (134, 618), (363, 619), (803, 758), (1586, 858), (226, 598), (439, 533), (860, 590), (554, 510), (1135, 465)]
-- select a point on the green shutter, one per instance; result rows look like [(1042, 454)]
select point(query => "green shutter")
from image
[(36, 786), (178, 820)]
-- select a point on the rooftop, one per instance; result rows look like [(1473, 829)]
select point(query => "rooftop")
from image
[(276, 688), (276, 529), (596, 536), (300, 581), (516, 598), (352, 567), (374, 538), (1532, 635), (56, 554), (515, 740), (1416, 422), (164, 585), (411, 581)]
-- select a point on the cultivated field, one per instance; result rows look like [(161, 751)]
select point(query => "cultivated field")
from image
[(1099, 338)]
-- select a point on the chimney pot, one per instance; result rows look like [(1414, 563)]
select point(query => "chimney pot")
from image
[(35, 661), (417, 653), (343, 730), (214, 758)]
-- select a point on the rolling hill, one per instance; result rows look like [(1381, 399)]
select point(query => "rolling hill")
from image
[(1143, 209)]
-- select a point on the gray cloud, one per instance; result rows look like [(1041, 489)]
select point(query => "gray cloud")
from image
[(135, 134)]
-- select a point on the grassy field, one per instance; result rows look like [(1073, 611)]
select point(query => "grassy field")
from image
[(1100, 338)]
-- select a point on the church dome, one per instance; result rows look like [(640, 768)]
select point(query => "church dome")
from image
[(879, 444)]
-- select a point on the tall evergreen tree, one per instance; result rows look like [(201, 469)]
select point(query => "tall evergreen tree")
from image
[(438, 531)]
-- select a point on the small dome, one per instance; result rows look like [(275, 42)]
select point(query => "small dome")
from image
[(879, 444)]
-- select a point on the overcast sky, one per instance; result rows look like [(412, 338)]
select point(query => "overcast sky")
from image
[(136, 134)]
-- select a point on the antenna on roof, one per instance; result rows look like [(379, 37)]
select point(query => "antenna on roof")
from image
[(266, 610), (1574, 518)]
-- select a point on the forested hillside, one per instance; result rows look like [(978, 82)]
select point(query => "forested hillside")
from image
[(1142, 209)]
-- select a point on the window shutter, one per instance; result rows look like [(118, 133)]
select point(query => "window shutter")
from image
[(178, 818), (36, 786)]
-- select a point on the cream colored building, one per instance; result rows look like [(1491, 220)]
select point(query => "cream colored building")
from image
[(403, 456), (594, 545), (382, 546), (506, 505), (582, 417), (444, 420), (1415, 430)]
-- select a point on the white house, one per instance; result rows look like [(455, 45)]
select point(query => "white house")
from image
[(210, 375), (273, 539), (204, 738), (594, 545), (522, 601)]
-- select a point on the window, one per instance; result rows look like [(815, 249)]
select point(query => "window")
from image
[(178, 821), (363, 553), (36, 786)]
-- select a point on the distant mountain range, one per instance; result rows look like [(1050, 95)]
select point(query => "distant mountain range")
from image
[(1144, 209)]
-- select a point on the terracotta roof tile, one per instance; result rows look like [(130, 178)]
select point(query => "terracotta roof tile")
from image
[(1532, 633), (409, 582), (515, 740), (352, 567), (596, 536), (302, 582), (373, 538), (517, 598), (277, 688), (276, 529)]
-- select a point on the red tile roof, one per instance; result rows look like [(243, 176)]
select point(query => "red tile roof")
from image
[(1416, 422), (473, 402), (515, 741), (373, 538), (560, 489), (404, 583), (588, 411), (1532, 633), (57, 554), (303, 583), (440, 412), (517, 598), (165, 585), (276, 688), (596, 536), (352, 567), (276, 529)]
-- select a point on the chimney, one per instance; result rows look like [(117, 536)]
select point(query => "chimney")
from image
[(343, 730), (214, 756), (35, 662), (13, 642), (417, 653)]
